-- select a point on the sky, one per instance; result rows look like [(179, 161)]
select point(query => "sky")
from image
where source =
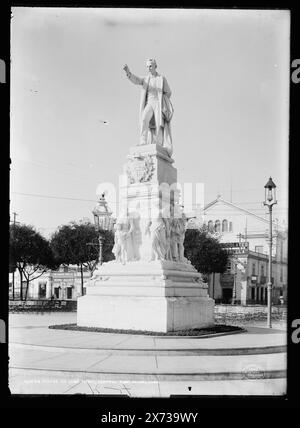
[(229, 75)]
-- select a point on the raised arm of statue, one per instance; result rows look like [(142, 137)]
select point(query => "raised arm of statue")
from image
[(134, 79)]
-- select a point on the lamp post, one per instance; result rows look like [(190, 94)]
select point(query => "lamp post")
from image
[(270, 200), (103, 221), (233, 301), (100, 249)]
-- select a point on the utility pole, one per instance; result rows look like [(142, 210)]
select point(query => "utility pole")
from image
[(13, 274), (233, 301), (240, 239)]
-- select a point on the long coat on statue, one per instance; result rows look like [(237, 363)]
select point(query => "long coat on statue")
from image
[(164, 111)]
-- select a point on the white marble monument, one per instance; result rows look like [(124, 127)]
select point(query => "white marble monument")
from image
[(150, 285)]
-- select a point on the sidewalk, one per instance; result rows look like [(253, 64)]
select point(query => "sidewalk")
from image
[(49, 361)]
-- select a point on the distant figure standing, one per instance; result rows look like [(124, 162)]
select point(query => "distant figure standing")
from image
[(156, 110)]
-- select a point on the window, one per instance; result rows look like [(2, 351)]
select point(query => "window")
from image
[(253, 269), (259, 294), (69, 293), (262, 270), (66, 269), (266, 294), (252, 293), (230, 266), (218, 226), (224, 226), (281, 275), (259, 248), (230, 226), (42, 290), (56, 292), (210, 226)]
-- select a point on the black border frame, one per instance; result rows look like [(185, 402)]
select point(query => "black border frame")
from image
[(97, 405)]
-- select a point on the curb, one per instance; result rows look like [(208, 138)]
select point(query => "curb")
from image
[(255, 350), (213, 376), (203, 336)]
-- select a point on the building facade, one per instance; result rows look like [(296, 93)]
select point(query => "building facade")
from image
[(245, 236), (62, 284)]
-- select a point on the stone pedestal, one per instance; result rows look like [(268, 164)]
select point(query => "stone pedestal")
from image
[(157, 296), (156, 290)]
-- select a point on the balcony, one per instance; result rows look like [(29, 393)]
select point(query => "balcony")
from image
[(226, 279), (263, 280)]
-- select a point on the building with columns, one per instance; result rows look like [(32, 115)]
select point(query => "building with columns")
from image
[(245, 237)]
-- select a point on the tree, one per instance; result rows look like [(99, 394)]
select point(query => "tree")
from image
[(71, 244), (30, 253), (204, 251)]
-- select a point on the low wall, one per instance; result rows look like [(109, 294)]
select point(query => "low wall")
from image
[(230, 313), (42, 305), (224, 314)]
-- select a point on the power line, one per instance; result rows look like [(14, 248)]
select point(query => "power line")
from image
[(53, 197), (65, 173), (261, 210)]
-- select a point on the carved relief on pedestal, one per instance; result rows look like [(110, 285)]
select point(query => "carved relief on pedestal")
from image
[(140, 169), (167, 238), (127, 238)]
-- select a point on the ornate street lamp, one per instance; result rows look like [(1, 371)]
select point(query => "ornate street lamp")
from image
[(103, 221), (270, 200)]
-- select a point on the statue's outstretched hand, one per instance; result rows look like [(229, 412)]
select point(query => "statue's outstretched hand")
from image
[(126, 69)]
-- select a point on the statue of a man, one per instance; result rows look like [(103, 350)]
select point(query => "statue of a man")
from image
[(156, 110)]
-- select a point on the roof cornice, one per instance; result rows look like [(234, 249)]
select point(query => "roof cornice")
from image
[(230, 204)]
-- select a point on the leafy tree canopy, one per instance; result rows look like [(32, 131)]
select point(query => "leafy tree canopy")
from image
[(29, 248), (71, 243), (204, 251)]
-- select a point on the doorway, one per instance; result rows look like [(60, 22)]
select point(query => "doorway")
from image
[(226, 295)]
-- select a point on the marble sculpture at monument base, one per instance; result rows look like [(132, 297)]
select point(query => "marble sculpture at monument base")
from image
[(161, 296)]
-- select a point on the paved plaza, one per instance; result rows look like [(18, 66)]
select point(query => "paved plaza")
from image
[(51, 361)]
